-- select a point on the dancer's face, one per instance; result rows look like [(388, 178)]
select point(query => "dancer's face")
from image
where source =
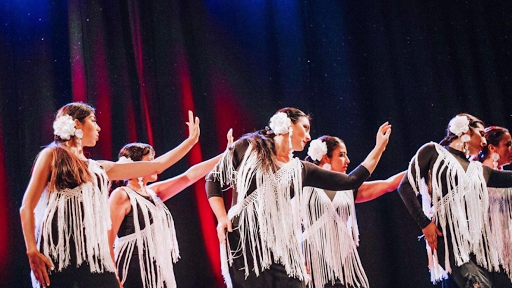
[(477, 140), (339, 160), (504, 149), (300, 135), (150, 178), (90, 129)]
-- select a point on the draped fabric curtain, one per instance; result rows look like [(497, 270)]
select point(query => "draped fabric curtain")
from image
[(351, 64)]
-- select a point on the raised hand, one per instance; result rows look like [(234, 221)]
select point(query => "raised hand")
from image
[(383, 136), (230, 137), (39, 265), (193, 127)]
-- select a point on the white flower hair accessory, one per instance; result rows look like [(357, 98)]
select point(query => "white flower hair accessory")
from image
[(64, 127), (459, 125), (317, 149), (280, 123)]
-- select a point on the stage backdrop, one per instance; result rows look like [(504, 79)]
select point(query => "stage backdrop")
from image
[(351, 64)]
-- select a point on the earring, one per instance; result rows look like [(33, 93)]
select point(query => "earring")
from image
[(327, 166), (79, 134), (495, 157), (465, 139), (290, 133), (141, 184)]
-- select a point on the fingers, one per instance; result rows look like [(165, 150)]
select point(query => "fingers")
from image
[(439, 233), (48, 263), (230, 137), (46, 279), (190, 117), (221, 233), (42, 277), (230, 227)]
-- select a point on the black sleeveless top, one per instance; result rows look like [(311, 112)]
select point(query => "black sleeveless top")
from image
[(127, 226)]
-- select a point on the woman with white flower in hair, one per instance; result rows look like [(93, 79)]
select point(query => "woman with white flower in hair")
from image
[(496, 154), (331, 234), (65, 213), (455, 202), (142, 226), (262, 245)]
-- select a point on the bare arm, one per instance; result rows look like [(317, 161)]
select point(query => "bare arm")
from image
[(170, 187), (120, 171), (217, 205), (374, 189), (38, 181), (373, 158), (119, 204)]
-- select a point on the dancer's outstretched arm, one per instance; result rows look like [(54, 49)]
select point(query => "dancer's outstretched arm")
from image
[(170, 187), (120, 171), (374, 189)]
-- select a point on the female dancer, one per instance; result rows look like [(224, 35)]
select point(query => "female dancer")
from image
[(455, 199), (331, 233), (146, 247), (263, 246), (72, 215), (497, 154)]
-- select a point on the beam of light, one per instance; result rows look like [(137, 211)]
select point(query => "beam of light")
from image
[(76, 52), (203, 208), (103, 94), (139, 58)]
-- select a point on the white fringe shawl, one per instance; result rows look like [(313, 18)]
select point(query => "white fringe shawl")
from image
[(331, 237), (500, 213), (463, 210), (156, 244), (86, 206), (269, 221)]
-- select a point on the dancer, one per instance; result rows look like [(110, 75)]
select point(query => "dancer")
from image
[(331, 233), (69, 233), (263, 243), (455, 199), (496, 154), (146, 247)]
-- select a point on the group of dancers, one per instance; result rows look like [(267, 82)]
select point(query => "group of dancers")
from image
[(292, 222)]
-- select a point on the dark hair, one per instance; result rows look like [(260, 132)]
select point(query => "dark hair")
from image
[(473, 123), (331, 142), (493, 135), (263, 140), (134, 151), (69, 171)]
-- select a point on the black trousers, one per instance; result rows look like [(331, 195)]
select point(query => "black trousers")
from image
[(273, 277), (81, 277), (467, 275)]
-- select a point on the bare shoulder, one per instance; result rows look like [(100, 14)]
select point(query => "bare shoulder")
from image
[(119, 196)]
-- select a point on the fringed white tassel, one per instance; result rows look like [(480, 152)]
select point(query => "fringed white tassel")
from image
[(331, 237), (224, 171), (224, 266), (463, 210), (156, 244), (500, 217), (268, 221), (87, 207)]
